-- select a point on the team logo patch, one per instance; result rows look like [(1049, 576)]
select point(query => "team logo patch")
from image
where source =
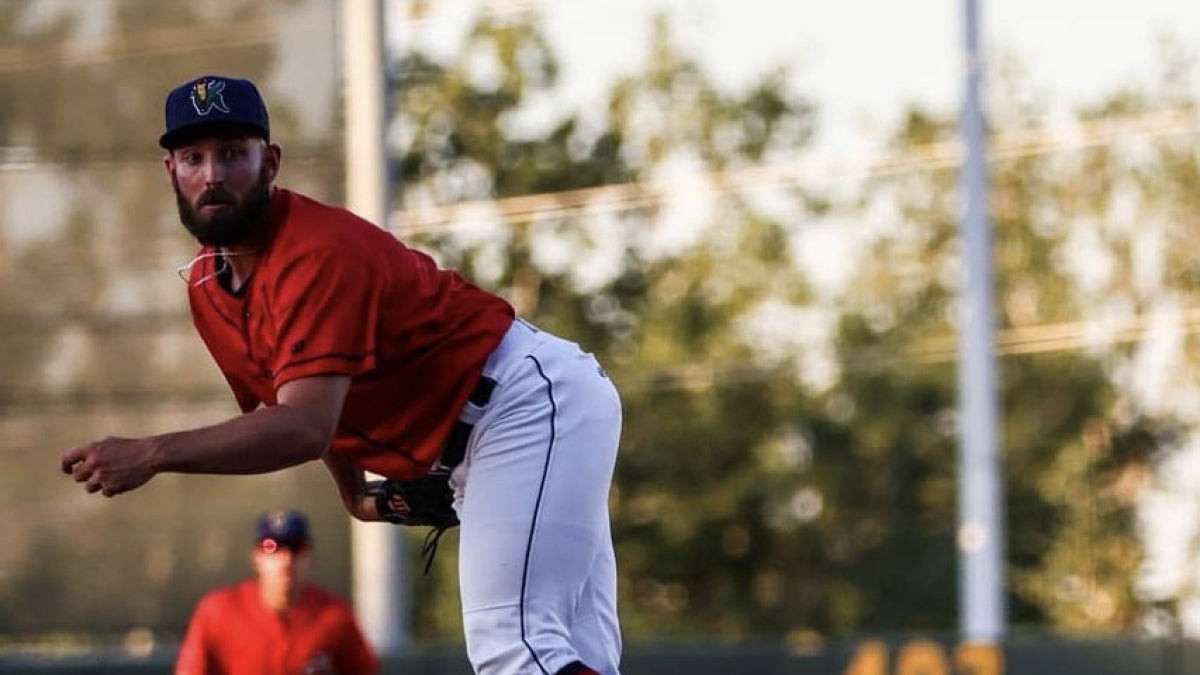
[(208, 95)]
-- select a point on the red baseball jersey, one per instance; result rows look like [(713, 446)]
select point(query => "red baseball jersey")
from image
[(333, 294), (233, 633)]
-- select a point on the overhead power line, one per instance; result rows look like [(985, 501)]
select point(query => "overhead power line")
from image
[(1025, 340), (940, 155), (1071, 335)]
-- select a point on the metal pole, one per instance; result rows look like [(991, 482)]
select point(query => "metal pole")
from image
[(381, 593), (980, 519)]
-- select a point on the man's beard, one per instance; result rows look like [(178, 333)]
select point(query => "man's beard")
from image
[(235, 224)]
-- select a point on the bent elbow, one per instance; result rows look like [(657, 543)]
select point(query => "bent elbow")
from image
[(315, 444), (309, 440)]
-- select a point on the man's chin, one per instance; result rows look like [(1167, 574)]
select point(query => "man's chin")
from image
[(227, 223), (219, 239), (210, 229)]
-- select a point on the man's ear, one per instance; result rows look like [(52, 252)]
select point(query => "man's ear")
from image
[(272, 159), (169, 163)]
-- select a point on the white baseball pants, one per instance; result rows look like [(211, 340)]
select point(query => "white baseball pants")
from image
[(537, 571)]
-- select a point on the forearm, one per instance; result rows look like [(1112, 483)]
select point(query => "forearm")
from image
[(352, 487), (349, 480), (265, 440)]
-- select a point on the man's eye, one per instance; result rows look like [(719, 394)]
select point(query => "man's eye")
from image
[(229, 154)]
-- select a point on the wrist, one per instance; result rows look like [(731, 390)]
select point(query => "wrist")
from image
[(157, 453), (367, 509)]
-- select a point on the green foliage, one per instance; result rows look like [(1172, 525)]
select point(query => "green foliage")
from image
[(699, 474), (746, 503), (750, 501), (1076, 441)]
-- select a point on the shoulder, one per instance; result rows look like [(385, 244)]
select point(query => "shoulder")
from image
[(228, 594), (327, 600), (310, 229), (309, 220), (218, 603)]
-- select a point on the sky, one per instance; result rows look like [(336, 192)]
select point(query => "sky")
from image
[(862, 61)]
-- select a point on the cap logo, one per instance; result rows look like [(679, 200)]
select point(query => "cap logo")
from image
[(208, 94), (278, 520), (398, 506)]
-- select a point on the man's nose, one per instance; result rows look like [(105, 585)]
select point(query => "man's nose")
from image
[(213, 172)]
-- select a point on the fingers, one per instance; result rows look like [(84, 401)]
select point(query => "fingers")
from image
[(75, 463), (110, 466), (79, 468), (79, 463), (367, 511), (72, 457), (93, 482)]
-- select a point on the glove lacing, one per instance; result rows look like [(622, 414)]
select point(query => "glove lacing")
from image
[(430, 546)]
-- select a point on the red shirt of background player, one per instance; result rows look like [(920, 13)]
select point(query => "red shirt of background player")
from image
[(233, 633), (334, 295)]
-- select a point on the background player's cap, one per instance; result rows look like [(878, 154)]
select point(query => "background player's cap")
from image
[(213, 100), (283, 527)]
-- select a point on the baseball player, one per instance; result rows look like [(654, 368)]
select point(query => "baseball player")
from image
[(277, 622), (341, 343)]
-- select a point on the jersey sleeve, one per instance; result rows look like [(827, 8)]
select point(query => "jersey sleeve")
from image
[(326, 308), (193, 652), (354, 653)]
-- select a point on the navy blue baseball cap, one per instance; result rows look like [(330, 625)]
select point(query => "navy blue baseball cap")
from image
[(212, 100), (282, 527)]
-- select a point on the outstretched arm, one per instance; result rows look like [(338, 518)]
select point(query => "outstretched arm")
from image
[(298, 429)]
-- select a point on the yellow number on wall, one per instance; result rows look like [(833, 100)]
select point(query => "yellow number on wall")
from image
[(922, 657), (979, 658), (869, 659), (926, 657)]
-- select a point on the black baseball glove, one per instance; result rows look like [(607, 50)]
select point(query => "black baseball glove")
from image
[(429, 500), (425, 501)]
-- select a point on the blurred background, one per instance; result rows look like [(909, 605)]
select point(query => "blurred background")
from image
[(750, 211)]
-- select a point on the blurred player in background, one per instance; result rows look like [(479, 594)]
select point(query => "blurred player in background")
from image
[(341, 343), (278, 622)]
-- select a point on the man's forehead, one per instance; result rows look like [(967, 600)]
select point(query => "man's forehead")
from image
[(216, 133), (221, 139)]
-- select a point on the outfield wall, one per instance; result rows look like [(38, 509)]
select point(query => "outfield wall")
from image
[(869, 656)]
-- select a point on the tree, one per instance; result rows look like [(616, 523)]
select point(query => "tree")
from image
[(697, 477), (1127, 212), (1075, 443)]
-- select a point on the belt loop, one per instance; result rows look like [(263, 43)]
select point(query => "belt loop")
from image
[(483, 391), (456, 445)]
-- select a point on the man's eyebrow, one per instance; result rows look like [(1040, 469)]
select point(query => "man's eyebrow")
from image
[(241, 139)]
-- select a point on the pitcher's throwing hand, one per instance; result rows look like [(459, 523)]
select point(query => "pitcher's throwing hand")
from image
[(110, 466)]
